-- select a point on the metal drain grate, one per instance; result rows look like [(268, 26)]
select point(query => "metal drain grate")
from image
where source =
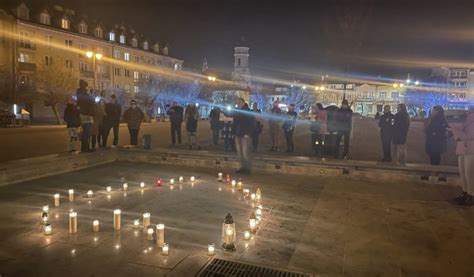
[(219, 267)]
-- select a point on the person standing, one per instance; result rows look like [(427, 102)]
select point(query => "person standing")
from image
[(274, 125), (175, 112), (113, 112), (385, 125), (134, 117), (344, 128), (465, 151), (191, 117), (85, 105), (72, 118), (99, 113), (215, 122), (437, 131), (258, 128), (243, 126), (289, 128), (318, 128), (400, 124)]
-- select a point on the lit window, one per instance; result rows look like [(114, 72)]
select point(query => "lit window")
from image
[(83, 28), (126, 56), (68, 63), (134, 42), (136, 76), (135, 89), (68, 42), (44, 19), (112, 36), (98, 32), (48, 40), (116, 54), (100, 69), (24, 58), (176, 66), (83, 66), (122, 39), (25, 41), (145, 45), (65, 23)]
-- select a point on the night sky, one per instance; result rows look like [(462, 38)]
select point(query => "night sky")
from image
[(301, 38)]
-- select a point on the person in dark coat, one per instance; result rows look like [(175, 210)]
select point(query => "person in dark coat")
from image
[(274, 125), (134, 117), (401, 124), (113, 112), (385, 125), (85, 105), (72, 117), (437, 132), (191, 117), (258, 128), (289, 128), (175, 112), (344, 128), (215, 122)]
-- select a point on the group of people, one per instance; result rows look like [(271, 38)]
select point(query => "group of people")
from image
[(89, 120)]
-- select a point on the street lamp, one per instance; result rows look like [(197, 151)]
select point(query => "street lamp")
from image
[(211, 78), (94, 57)]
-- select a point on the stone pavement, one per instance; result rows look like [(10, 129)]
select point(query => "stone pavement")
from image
[(323, 226)]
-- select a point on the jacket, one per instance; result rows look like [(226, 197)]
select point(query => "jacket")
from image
[(385, 125), (99, 112), (175, 114), (290, 122), (465, 137), (85, 102), (344, 120), (133, 117), (113, 111), (436, 136), (72, 116), (401, 124), (191, 118), (215, 119), (243, 123)]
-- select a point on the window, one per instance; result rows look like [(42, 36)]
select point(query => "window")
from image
[(83, 28), (25, 41), (145, 45), (176, 66), (135, 89), (48, 60), (26, 80), (69, 63), (98, 32), (68, 42), (395, 95), (99, 50), (48, 40), (45, 19), (134, 42), (83, 66), (116, 54), (156, 48), (238, 62), (137, 59), (65, 23), (136, 76), (23, 13), (24, 58), (126, 56), (100, 69), (122, 39), (126, 72), (112, 36), (383, 95), (117, 71)]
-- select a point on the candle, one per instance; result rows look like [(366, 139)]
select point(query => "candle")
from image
[(181, 179), (117, 219), (125, 186), (108, 188), (71, 195), (253, 223), (95, 225), (258, 195), (44, 217), (247, 235), (258, 212), (160, 234), (72, 222), (48, 229), (146, 221), (193, 179), (142, 184), (171, 181), (90, 193), (219, 176), (45, 208), (136, 222), (158, 182), (211, 249), (165, 249), (233, 183), (246, 192), (122, 180), (227, 178), (239, 185), (252, 196), (56, 200), (150, 234)]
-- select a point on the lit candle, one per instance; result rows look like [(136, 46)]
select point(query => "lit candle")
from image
[(142, 184), (136, 222), (258, 195), (228, 233), (90, 193), (252, 196), (71, 195), (45, 208), (253, 223), (44, 217), (193, 179), (72, 222), (219, 176), (239, 185), (246, 192), (108, 188), (181, 179), (165, 249), (227, 178), (48, 229), (146, 221), (171, 181), (117, 219), (233, 183), (246, 235), (95, 225), (160, 234), (125, 186), (150, 234), (158, 182), (211, 249), (258, 212), (56, 200)]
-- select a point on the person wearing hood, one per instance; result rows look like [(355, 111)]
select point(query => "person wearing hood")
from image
[(72, 117), (465, 151), (437, 132), (134, 117), (243, 126)]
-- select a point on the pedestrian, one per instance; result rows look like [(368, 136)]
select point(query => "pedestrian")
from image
[(215, 122), (344, 128), (289, 128), (258, 128), (400, 125), (465, 151), (134, 117), (99, 113), (175, 113), (191, 117), (113, 112), (243, 126), (72, 118), (85, 105), (386, 133), (274, 125), (437, 131), (377, 116), (318, 129)]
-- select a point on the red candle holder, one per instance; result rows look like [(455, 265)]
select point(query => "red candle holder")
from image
[(159, 182)]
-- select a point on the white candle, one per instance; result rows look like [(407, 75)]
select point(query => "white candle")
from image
[(258, 195), (233, 183), (258, 212), (253, 224), (246, 192), (48, 229), (211, 249), (45, 218), (219, 176), (160, 234), (90, 193), (108, 188), (72, 222), (142, 184), (171, 181), (146, 221), (71, 195), (136, 222), (95, 225), (45, 208), (247, 235), (150, 234), (56, 200), (125, 186), (252, 196), (117, 219), (181, 179), (165, 249), (239, 185), (193, 179)]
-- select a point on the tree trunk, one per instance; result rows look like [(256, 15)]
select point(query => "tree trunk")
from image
[(54, 107)]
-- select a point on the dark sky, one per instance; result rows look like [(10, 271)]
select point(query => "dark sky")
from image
[(301, 38)]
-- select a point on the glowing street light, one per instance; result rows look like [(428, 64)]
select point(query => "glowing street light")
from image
[(94, 57), (211, 78)]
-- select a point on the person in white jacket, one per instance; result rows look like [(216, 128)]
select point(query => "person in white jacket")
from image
[(465, 152)]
